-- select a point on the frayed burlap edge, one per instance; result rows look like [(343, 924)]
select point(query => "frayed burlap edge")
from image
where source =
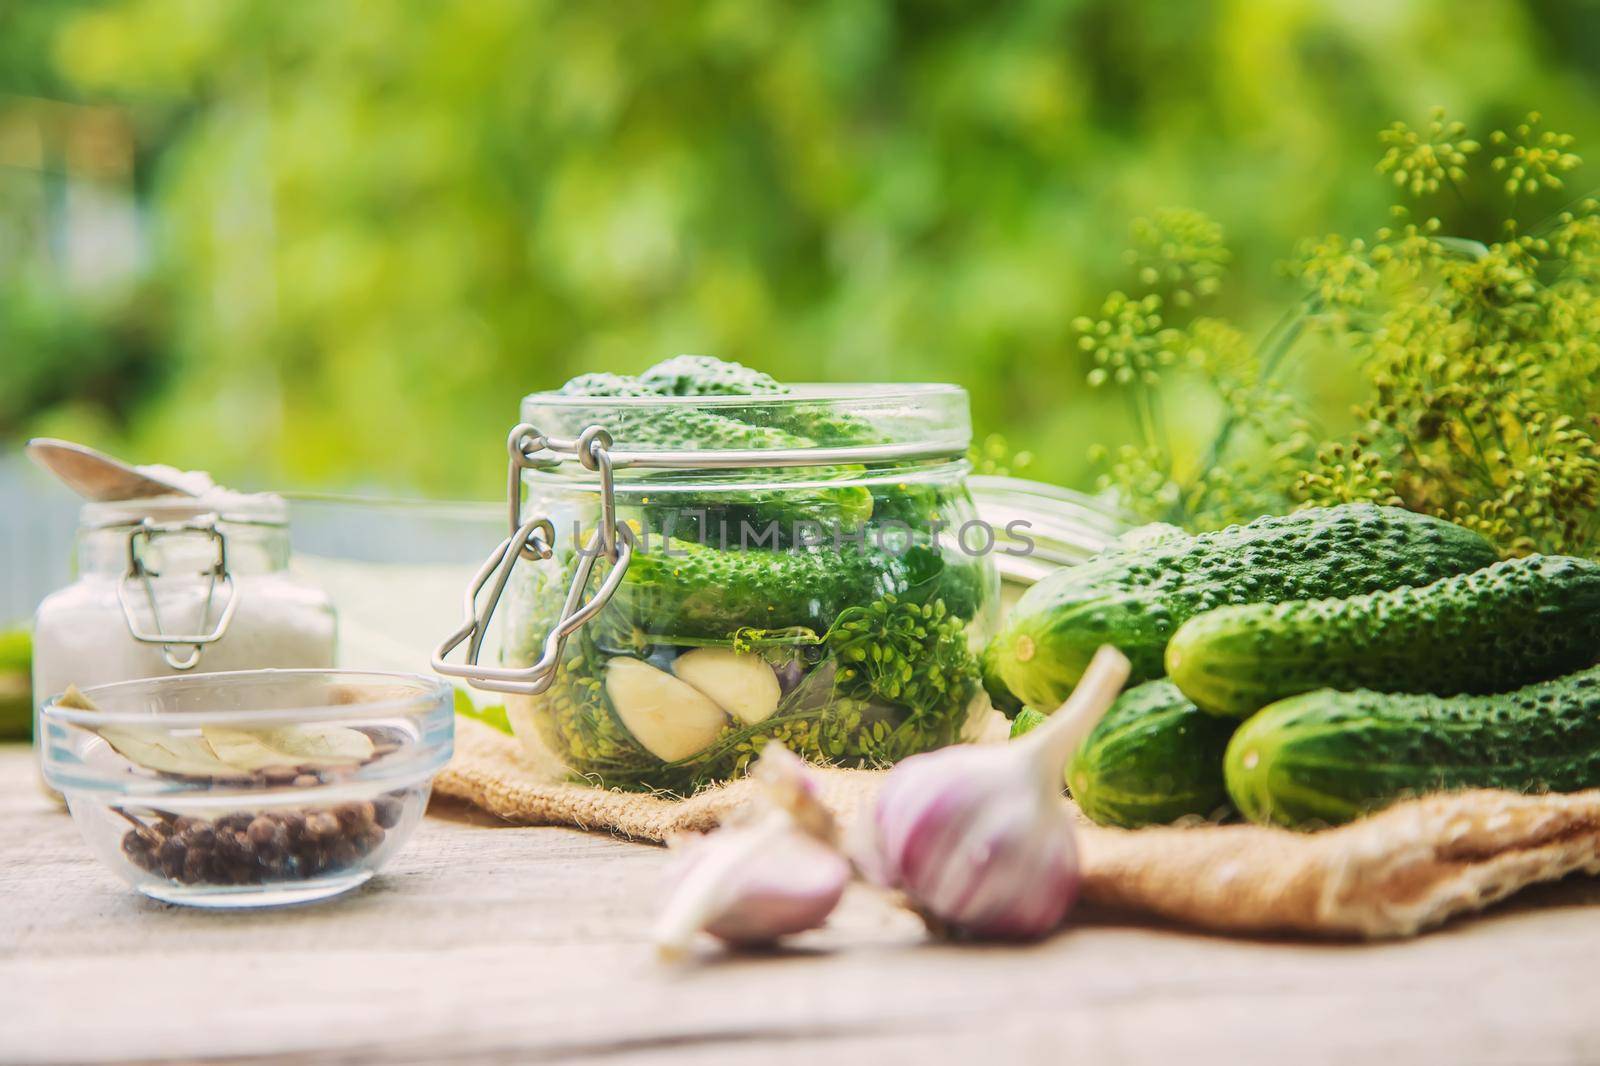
[(493, 772), (1394, 874)]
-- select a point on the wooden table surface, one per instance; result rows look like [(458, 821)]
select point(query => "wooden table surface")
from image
[(488, 943)]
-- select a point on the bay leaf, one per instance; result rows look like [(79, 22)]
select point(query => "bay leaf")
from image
[(294, 745), (160, 750)]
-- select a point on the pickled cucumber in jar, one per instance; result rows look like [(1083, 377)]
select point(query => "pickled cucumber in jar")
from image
[(832, 607)]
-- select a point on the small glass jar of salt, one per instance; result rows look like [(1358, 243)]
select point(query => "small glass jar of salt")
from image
[(180, 584)]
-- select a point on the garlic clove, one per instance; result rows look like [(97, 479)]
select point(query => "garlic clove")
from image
[(670, 719), (976, 849), (797, 885), (977, 836), (755, 882), (741, 682), (788, 784), (750, 885)]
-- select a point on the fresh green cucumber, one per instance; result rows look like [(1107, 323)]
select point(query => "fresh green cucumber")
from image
[(1005, 701), (704, 375), (1136, 598), (1516, 622), (1327, 757), (704, 515), (1153, 758), (700, 592), (608, 386), (735, 517), (1026, 721), (818, 420)]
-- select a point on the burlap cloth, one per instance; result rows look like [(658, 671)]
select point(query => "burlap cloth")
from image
[(1394, 874)]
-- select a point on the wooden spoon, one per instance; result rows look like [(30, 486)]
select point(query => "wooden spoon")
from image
[(94, 475)]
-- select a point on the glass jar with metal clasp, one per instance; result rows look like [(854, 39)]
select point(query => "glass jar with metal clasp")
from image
[(177, 585), (686, 579)]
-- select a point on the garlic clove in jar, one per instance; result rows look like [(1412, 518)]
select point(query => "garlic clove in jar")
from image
[(670, 719), (741, 682)]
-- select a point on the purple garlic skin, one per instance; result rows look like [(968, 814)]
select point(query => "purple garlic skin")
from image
[(751, 883), (978, 837), (785, 882), (976, 847)]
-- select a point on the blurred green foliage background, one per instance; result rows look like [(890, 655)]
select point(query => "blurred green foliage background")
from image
[(326, 245)]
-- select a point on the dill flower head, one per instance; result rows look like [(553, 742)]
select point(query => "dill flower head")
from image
[(1336, 272), (1533, 158), (995, 456), (1574, 239), (1128, 341), (1346, 474), (1419, 161), (1180, 248), (1482, 360)]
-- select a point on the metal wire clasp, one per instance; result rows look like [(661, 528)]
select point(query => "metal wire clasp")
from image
[(173, 644), (534, 539)]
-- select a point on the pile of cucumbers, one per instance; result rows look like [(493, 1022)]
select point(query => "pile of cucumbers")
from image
[(1306, 669), (857, 651)]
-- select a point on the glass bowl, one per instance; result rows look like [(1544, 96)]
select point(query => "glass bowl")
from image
[(248, 789)]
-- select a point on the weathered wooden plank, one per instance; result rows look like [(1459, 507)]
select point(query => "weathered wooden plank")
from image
[(526, 945)]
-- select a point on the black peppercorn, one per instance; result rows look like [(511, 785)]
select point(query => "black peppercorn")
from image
[(352, 816), (321, 825), (387, 811), (171, 856), (245, 848), (279, 775), (262, 830)]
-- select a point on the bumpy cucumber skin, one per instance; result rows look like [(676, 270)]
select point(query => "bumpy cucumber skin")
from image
[(748, 518), (1326, 757), (1513, 623), (1005, 701), (602, 386), (1136, 598), (847, 505), (1154, 758), (702, 592), (1026, 721), (704, 375)]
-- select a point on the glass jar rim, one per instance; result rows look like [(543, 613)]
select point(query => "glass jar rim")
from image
[(840, 423), (428, 699), (807, 392), (243, 509), (422, 691)]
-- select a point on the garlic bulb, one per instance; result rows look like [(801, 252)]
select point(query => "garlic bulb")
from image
[(751, 883), (977, 837)]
